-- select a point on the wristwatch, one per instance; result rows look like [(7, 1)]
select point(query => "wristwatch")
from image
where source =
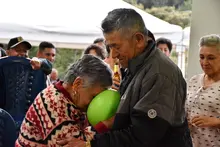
[(88, 144)]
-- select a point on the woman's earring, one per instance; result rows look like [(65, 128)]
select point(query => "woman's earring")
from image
[(74, 93)]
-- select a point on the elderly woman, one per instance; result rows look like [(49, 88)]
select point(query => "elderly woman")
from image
[(203, 99), (58, 111)]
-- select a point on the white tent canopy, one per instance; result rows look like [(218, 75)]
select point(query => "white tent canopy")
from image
[(186, 36), (69, 23)]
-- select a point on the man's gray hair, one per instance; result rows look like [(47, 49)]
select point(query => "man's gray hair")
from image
[(212, 40), (125, 20), (92, 70)]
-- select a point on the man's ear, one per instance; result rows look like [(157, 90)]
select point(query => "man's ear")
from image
[(140, 40)]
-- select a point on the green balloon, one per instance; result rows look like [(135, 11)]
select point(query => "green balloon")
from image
[(103, 106)]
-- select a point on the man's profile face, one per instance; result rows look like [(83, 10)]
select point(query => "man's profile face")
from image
[(121, 47)]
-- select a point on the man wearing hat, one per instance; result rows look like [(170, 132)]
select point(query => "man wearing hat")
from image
[(19, 47)]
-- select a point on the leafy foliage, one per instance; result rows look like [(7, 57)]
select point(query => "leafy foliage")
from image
[(176, 12), (157, 3), (171, 15)]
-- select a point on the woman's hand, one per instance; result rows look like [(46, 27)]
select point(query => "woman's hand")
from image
[(71, 142), (108, 123), (206, 121)]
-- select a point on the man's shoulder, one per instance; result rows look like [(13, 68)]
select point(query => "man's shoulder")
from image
[(162, 69), (164, 65)]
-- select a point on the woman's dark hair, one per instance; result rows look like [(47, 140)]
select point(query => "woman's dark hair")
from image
[(164, 41), (99, 51)]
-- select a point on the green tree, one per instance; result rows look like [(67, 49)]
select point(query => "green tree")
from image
[(64, 58), (174, 56), (160, 3), (33, 52), (134, 3), (186, 6), (131, 1), (167, 10), (171, 15)]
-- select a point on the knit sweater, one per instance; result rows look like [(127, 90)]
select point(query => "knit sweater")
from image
[(51, 117)]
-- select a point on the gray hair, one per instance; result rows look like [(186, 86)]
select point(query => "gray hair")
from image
[(212, 40), (92, 70), (125, 20)]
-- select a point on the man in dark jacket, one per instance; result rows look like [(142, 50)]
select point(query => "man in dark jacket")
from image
[(153, 93)]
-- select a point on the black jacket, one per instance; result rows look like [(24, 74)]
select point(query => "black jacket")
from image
[(151, 112)]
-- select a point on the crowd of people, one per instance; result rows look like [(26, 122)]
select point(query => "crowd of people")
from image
[(158, 108)]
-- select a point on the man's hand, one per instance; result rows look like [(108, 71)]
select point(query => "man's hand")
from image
[(71, 142), (205, 121), (115, 84), (35, 63)]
